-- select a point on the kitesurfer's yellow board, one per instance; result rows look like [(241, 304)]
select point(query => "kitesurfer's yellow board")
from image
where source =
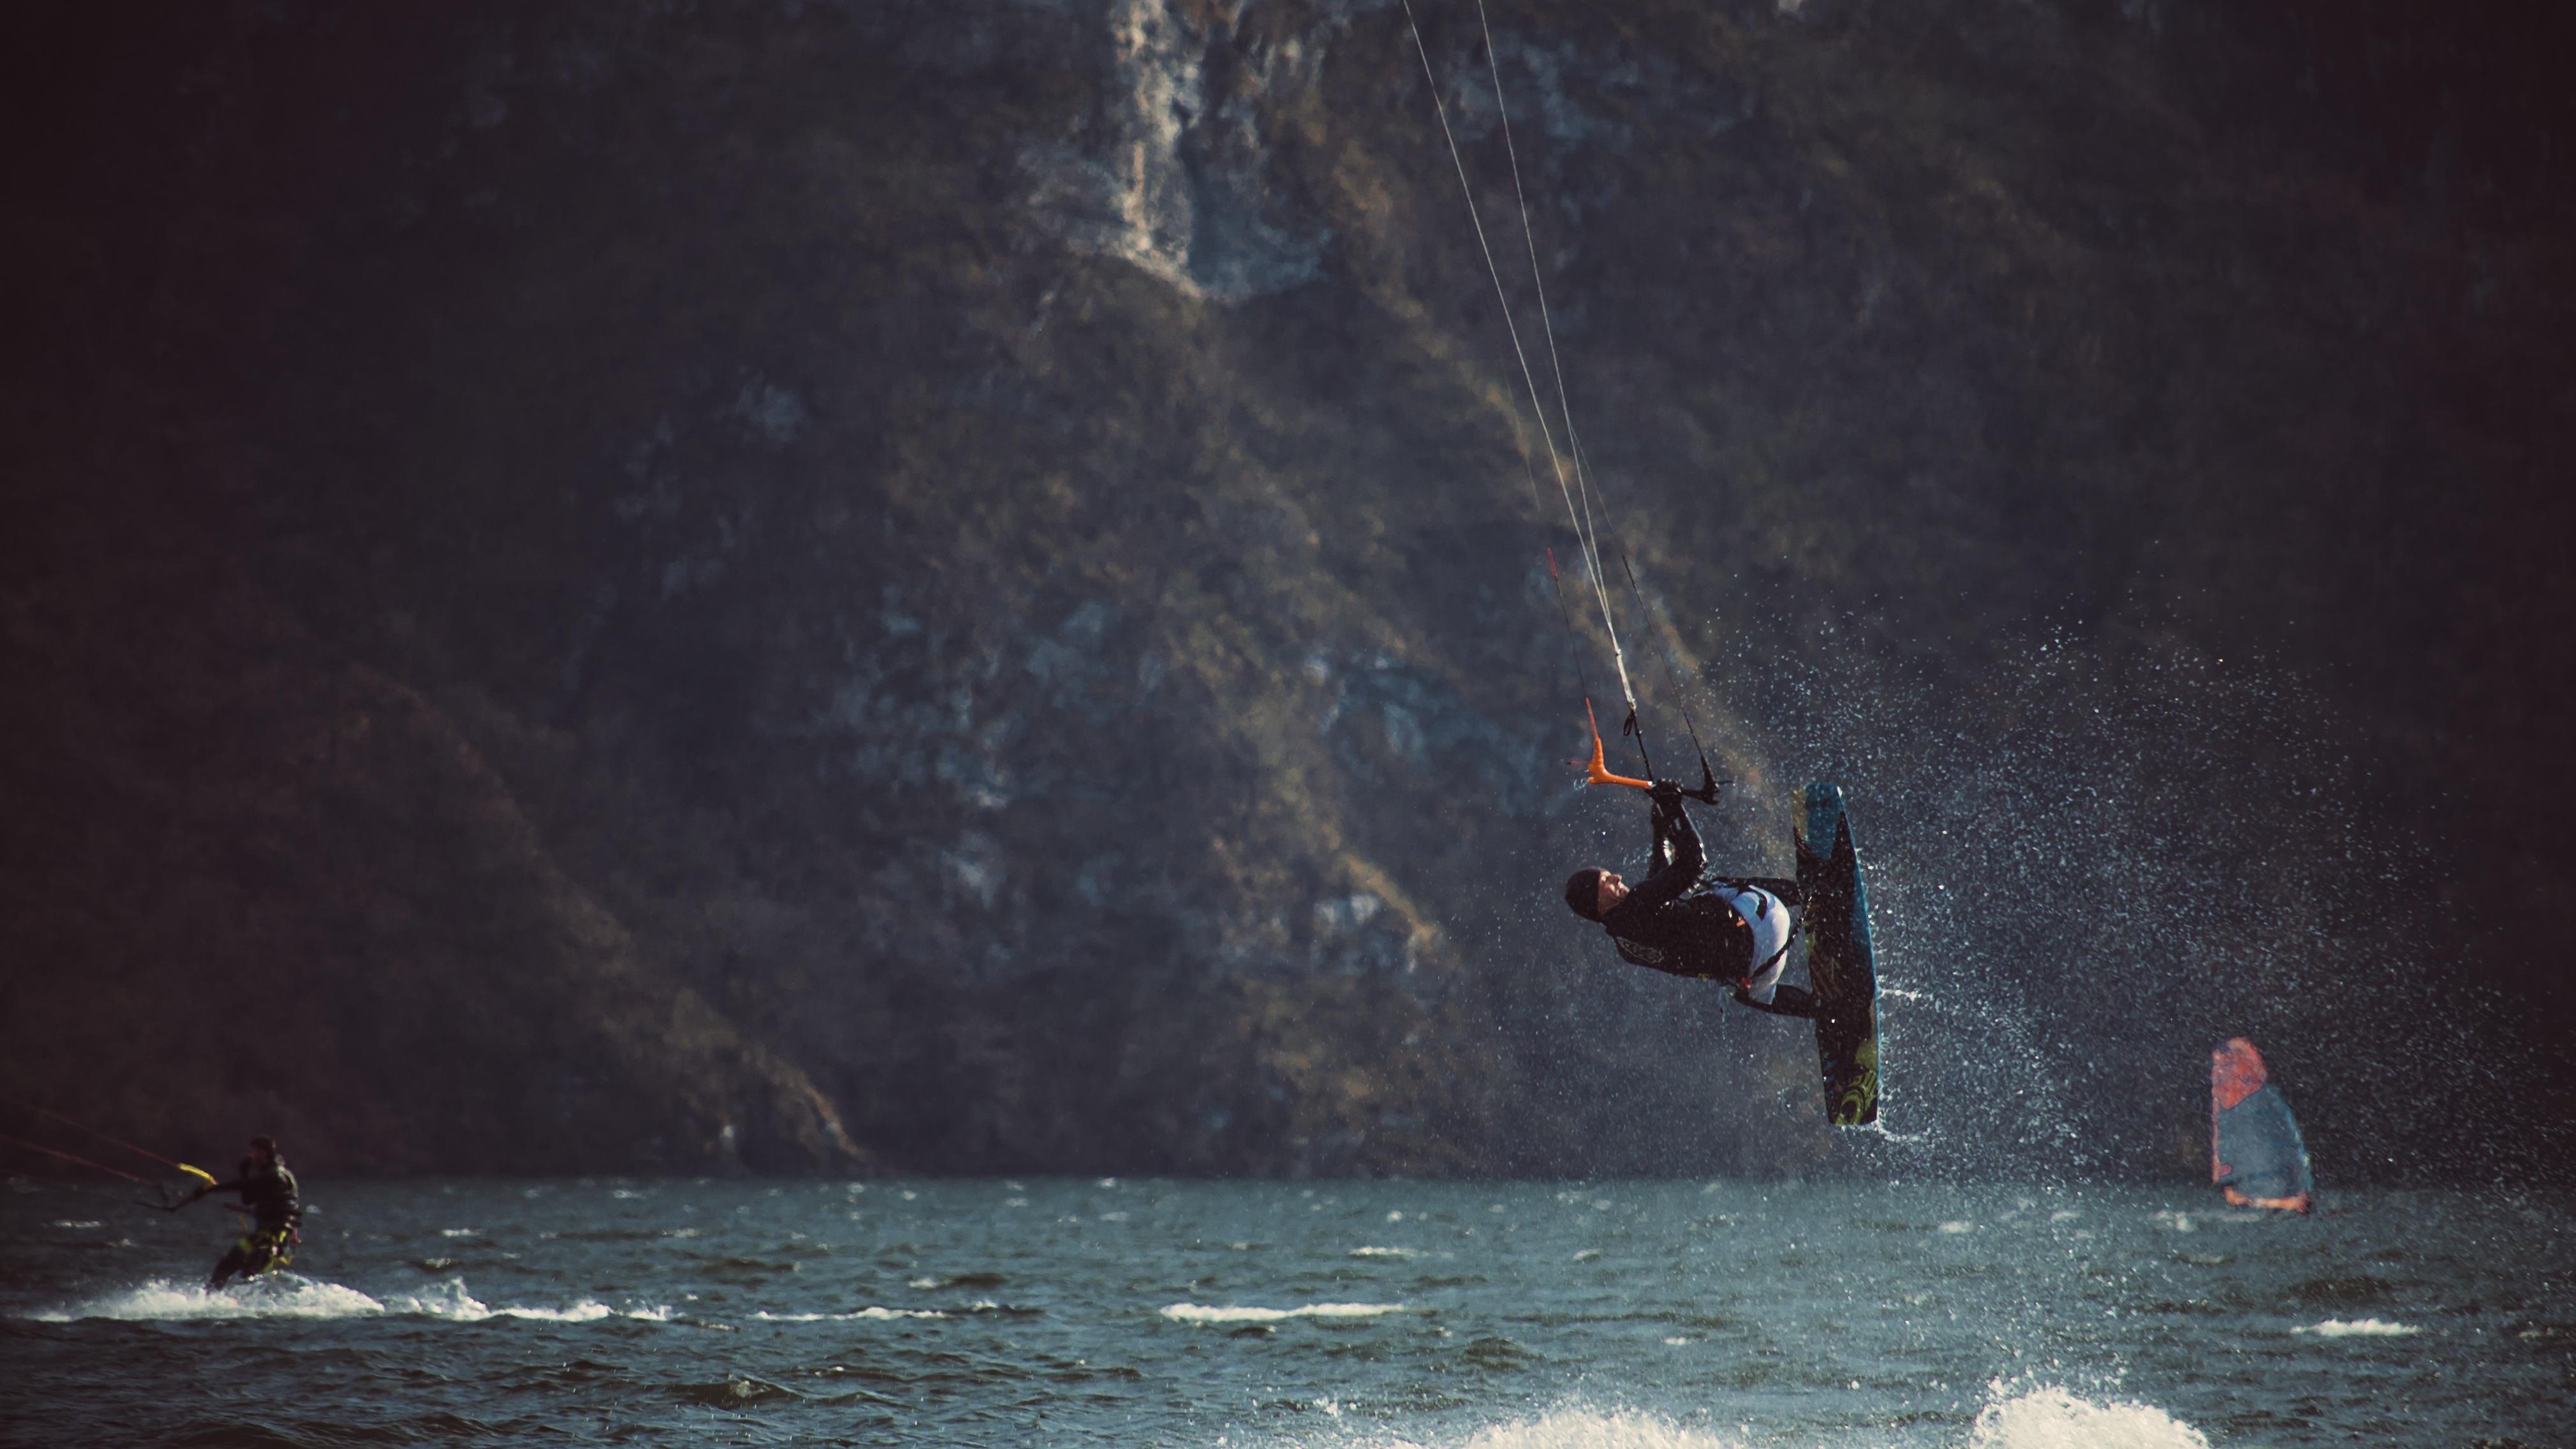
[(1840, 964)]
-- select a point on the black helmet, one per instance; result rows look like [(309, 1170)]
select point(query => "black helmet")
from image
[(1583, 893)]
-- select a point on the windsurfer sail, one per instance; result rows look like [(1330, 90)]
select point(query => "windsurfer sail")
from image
[(2255, 1153)]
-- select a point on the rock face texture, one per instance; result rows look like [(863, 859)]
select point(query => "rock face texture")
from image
[(798, 587)]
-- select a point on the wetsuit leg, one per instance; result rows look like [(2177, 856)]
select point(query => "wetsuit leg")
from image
[(1797, 1001), (235, 1261), (1786, 1000)]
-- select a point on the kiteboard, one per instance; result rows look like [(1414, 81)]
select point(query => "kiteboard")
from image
[(2256, 1155), (1840, 964)]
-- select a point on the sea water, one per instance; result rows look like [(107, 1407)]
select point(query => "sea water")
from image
[(1640, 1315)]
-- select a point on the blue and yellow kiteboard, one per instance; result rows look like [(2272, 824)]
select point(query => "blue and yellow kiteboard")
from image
[(1839, 960)]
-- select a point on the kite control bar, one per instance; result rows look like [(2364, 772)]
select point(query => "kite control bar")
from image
[(1597, 771), (198, 1173)]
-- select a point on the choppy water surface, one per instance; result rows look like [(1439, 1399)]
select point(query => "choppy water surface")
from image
[(1359, 1314)]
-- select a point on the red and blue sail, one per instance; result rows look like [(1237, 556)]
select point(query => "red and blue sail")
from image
[(2255, 1152)]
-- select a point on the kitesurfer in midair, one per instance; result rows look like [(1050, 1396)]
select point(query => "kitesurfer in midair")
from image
[(276, 1209), (1735, 931)]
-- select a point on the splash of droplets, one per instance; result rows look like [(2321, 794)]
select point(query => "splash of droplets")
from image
[(2084, 872), (281, 1295)]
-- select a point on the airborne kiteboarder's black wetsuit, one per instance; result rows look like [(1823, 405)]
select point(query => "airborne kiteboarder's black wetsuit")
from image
[(1665, 924)]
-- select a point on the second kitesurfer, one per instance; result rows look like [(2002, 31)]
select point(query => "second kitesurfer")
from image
[(1735, 931), (275, 1210)]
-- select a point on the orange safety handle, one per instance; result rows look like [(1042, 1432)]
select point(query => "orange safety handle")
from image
[(1599, 773)]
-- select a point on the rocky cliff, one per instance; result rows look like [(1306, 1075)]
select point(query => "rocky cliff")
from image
[(806, 587)]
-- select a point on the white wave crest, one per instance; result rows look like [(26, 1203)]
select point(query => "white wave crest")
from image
[(1577, 1429), (2359, 1328), (1194, 1313), (1381, 1252), (286, 1295), (1584, 1429), (277, 1296), (2046, 1418), (2052, 1418), (449, 1299), (862, 1314)]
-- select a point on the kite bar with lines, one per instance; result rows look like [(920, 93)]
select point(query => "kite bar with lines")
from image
[(196, 1172), (165, 1204), (1599, 772), (1587, 531), (1708, 781), (68, 1157), (1586, 537)]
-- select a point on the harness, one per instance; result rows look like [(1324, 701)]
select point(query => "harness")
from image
[(1639, 953), (267, 1249), (1797, 925)]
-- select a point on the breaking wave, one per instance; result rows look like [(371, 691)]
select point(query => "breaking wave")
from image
[(2052, 1418), (2039, 1418), (289, 1296), (1194, 1313), (2359, 1328)]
